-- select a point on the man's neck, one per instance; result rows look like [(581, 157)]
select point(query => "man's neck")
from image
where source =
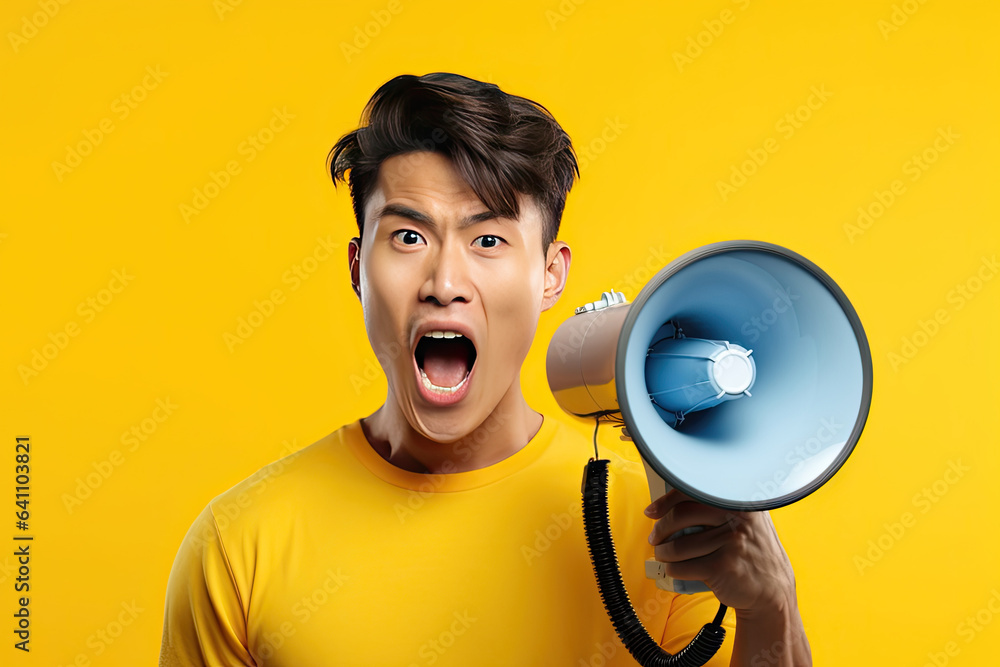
[(511, 425)]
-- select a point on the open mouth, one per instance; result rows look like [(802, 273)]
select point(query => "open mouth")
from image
[(445, 360)]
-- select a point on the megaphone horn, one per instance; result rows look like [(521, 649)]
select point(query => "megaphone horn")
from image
[(730, 358)]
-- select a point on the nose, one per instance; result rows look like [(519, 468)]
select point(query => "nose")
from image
[(447, 277)]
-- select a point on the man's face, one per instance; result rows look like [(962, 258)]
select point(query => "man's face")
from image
[(451, 295)]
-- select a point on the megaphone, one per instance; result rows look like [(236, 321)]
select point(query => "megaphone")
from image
[(742, 374)]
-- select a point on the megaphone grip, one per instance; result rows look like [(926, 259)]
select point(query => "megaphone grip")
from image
[(633, 634)]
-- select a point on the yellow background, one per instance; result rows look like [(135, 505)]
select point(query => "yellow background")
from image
[(661, 133)]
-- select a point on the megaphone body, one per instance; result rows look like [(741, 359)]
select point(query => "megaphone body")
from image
[(741, 372)]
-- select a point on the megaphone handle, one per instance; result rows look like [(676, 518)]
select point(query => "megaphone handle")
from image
[(655, 569)]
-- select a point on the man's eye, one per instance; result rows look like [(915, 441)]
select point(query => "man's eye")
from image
[(408, 237), (489, 241)]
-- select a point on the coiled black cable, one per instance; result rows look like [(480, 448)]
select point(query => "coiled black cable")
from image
[(644, 649)]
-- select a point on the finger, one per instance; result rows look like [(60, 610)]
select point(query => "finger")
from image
[(662, 505), (653, 509), (701, 569), (687, 514), (695, 545)]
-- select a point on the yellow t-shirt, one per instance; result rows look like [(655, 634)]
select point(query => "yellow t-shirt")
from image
[(333, 556)]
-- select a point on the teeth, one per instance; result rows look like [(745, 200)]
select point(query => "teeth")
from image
[(442, 334), (441, 390)]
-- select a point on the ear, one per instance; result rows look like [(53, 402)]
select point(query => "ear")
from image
[(354, 261), (557, 260)]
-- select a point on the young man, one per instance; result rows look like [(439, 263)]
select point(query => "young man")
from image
[(445, 528)]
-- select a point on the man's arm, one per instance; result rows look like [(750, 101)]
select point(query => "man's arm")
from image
[(739, 557), (204, 624), (771, 638)]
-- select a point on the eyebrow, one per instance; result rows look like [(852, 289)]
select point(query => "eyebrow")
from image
[(417, 216)]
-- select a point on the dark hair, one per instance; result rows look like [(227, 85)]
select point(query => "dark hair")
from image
[(501, 144)]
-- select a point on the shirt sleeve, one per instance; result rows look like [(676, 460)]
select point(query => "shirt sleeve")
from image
[(688, 613), (204, 624)]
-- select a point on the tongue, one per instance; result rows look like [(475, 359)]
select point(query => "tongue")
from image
[(445, 363)]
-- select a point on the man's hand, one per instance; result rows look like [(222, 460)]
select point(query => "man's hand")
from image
[(739, 556)]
